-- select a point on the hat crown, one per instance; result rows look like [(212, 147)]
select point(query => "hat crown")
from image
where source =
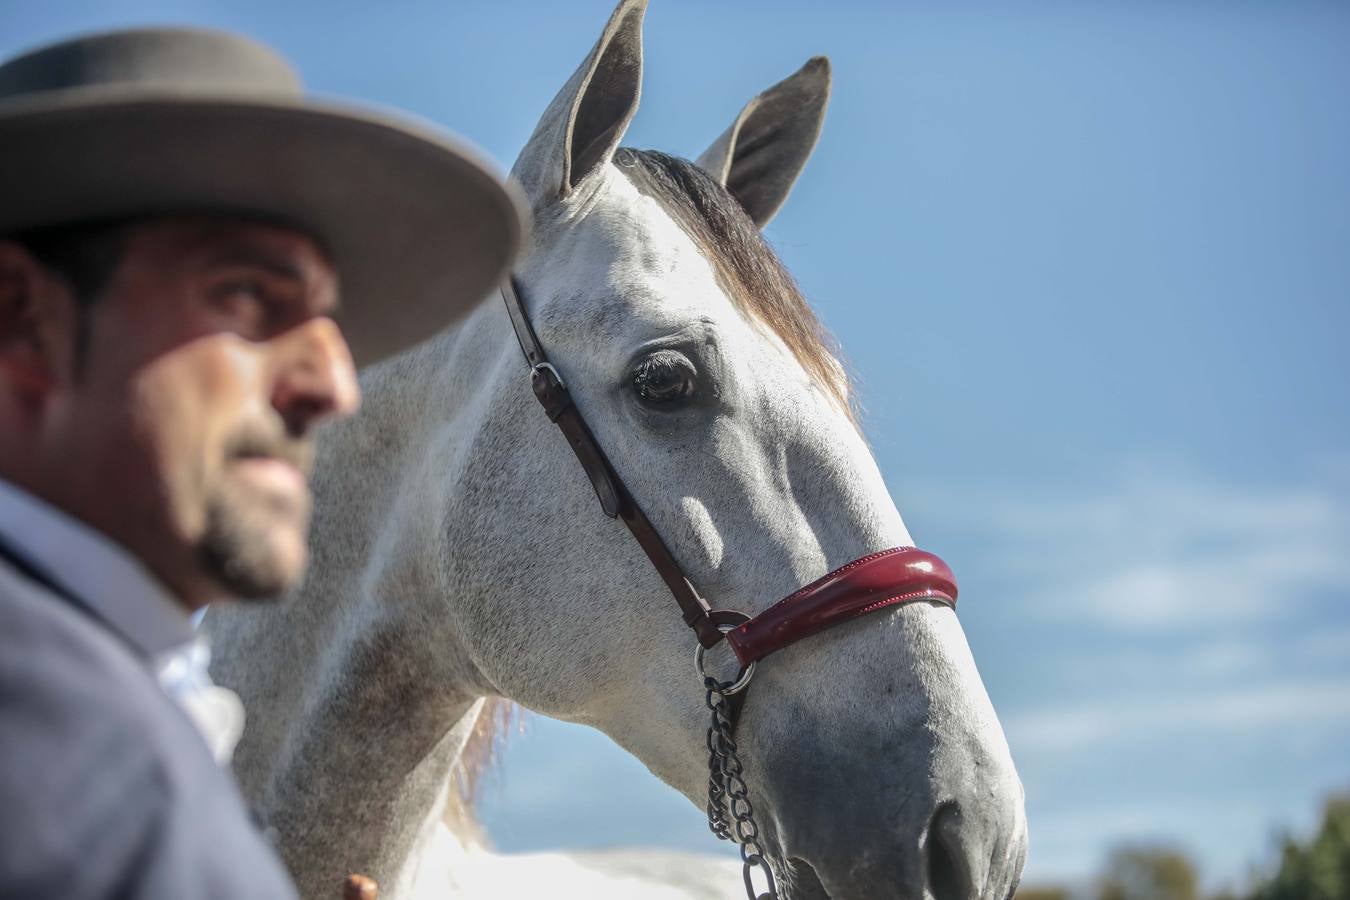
[(151, 60)]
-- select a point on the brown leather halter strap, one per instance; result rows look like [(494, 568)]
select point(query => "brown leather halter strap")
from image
[(613, 495), (888, 578)]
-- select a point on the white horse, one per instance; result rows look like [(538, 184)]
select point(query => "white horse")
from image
[(458, 551)]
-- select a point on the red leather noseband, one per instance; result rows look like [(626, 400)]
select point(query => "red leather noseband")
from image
[(888, 578)]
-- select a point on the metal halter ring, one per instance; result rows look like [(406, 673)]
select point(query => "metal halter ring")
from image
[(538, 367), (727, 688)]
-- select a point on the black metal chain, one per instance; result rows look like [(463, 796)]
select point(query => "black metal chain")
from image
[(727, 792)]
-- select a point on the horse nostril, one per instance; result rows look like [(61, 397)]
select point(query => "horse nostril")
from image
[(948, 870)]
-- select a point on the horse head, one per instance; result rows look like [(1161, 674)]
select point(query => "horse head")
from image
[(876, 764)]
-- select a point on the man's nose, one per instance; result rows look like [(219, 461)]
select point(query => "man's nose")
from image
[(316, 378)]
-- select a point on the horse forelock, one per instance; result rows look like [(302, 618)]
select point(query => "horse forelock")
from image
[(756, 281)]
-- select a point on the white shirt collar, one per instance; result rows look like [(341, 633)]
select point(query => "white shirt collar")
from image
[(216, 711), (96, 570)]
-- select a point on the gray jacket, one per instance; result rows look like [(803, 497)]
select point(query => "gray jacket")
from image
[(107, 790)]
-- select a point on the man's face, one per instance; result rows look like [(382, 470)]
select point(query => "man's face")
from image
[(210, 358)]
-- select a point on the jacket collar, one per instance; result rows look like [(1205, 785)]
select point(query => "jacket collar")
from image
[(93, 571)]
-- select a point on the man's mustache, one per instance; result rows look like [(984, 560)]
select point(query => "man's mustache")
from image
[(259, 440)]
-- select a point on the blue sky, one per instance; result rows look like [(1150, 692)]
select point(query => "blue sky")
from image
[(1091, 264)]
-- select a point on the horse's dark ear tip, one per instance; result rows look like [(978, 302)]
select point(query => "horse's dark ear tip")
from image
[(818, 65)]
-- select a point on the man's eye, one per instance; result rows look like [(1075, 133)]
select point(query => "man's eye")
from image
[(254, 312), (665, 380), (242, 291)]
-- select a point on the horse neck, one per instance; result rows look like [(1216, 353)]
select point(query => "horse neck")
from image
[(327, 674)]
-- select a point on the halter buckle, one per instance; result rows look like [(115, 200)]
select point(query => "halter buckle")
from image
[(543, 366)]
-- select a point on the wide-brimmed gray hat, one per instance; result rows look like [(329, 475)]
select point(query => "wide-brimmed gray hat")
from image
[(172, 120)]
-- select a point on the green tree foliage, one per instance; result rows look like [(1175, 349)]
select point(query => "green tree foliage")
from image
[(1318, 870), (1148, 873), (1042, 893)]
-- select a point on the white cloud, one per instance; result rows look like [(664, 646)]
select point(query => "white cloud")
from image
[(1067, 729), (1161, 551), (1068, 845), (1246, 581), (1198, 662)]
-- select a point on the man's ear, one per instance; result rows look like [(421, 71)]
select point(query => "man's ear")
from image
[(37, 326)]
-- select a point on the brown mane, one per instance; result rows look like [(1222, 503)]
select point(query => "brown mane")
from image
[(480, 752)]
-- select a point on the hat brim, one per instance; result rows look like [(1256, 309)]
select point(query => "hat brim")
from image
[(419, 226)]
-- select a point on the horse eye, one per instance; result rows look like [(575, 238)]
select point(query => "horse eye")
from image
[(665, 380)]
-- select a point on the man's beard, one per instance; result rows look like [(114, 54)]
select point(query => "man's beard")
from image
[(237, 545)]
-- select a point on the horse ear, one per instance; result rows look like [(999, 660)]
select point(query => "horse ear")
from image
[(760, 156), (584, 124)]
